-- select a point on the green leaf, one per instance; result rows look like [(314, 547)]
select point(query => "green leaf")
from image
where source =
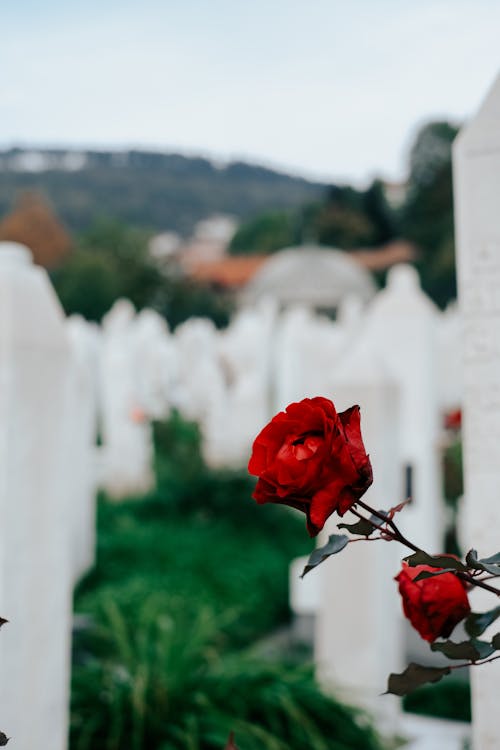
[(363, 527), (336, 543), (477, 622), (414, 676), (472, 561), (483, 648), (428, 574), (495, 642), (436, 561), (493, 559), (469, 650)]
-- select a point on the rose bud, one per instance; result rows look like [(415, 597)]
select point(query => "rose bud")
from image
[(433, 605), (312, 459)]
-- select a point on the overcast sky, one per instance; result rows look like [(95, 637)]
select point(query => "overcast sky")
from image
[(319, 87)]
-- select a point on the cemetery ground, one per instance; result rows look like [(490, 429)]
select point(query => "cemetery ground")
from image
[(186, 580)]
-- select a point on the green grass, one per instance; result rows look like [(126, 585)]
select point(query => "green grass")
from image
[(164, 681), (233, 561), (185, 580)]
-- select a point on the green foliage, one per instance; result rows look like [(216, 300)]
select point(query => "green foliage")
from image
[(265, 234), (201, 531), (184, 578), (87, 284), (427, 216), (158, 191), (453, 472), (449, 699), (182, 299), (351, 219), (453, 489), (162, 682), (346, 218), (111, 261)]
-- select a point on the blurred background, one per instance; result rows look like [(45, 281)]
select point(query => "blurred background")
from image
[(213, 188)]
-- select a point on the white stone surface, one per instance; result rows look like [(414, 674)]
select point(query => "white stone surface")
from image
[(476, 163), (305, 593), (154, 364), (402, 326), (126, 431), (246, 355), (81, 429), (449, 359), (35, 495), (358, 632), (424, 733)]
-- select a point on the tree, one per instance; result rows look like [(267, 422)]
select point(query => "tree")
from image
[(265, 234), (111, 261), (427, 215), (350, 218)]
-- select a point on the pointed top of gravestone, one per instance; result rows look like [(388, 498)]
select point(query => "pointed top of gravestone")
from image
[(481, 133), (403, 279), (120, 317), (13, 253), (403, 295)]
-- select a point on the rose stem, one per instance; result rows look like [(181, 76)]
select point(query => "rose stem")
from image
[(474, 663), (398, 536)]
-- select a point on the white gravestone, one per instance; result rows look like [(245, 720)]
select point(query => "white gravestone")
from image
[(476, 164), (35, 496), (402, 326), (126, 431), (308, 348), (84, 340), (359, 623), (155, 364), (201, 392), (449, 359), (245, 351)]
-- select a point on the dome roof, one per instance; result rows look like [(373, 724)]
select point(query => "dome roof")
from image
[(312, 275)]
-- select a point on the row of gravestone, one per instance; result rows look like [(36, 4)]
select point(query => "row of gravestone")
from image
[(66, 381)]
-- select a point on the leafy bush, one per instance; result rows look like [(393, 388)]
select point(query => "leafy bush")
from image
[(448, 700), (161, 683)]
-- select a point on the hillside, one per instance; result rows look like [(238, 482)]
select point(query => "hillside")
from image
[(151, 190)]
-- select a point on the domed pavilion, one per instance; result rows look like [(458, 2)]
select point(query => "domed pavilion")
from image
[(310, 275)]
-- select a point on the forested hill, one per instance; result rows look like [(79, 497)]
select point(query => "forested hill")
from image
[(152, 190)]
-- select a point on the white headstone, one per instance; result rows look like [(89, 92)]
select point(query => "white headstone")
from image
[(35, 496), (402, 326), (126, 431), (81, 439), (476, 163), (359, 633)]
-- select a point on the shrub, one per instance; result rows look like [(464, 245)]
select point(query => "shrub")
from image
[(448, 700), (161, 683)]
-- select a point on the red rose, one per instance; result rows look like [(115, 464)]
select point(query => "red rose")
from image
[(313, 459), (453, 419), (433, 605)]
